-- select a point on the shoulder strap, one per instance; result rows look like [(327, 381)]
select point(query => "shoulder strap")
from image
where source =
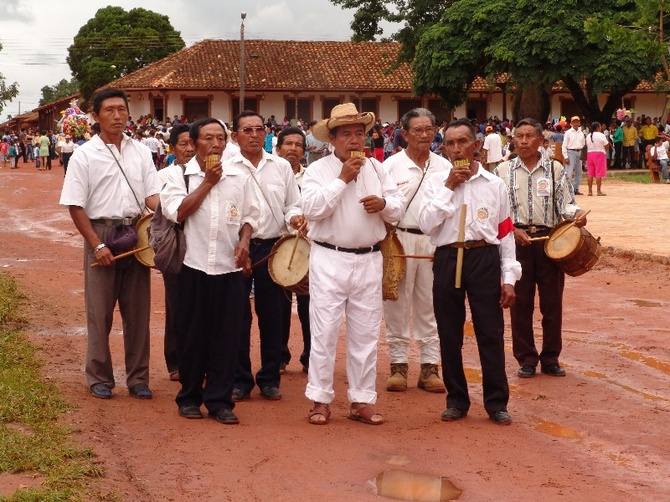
[(126, 177), (183, 170)]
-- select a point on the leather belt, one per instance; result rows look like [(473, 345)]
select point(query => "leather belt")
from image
[(575, 149), (415, 231), (261, 242), (115, 222), (365, 250), (470, 244), (534, 229)]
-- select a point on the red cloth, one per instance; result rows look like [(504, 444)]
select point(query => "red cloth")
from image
[(504, 227)]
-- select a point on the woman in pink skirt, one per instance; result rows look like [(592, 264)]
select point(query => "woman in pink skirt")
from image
[(596, 157)]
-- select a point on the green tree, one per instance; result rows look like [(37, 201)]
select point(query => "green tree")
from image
[(7, 92), (61, 90), (535, 44), (115, 42)]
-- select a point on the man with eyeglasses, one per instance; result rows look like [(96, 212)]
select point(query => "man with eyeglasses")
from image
[(279, 199), (409, 168)]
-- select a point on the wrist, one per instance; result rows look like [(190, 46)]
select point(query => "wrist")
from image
[(99, 247)]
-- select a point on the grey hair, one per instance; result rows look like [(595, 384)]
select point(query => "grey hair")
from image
[(414, 113)]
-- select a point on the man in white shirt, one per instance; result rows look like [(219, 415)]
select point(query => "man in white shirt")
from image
[(110, 182), (220, 212), (659, 153), (346, 200), (409, 169), (573, 144), (314, 148), (488, 259), (66, 151), (492, 149), (279, 199), (153, 144)]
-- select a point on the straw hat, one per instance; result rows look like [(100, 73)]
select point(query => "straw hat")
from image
[(343, 114)]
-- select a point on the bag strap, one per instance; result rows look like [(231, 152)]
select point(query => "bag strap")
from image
[(266, 199), (126, 178)]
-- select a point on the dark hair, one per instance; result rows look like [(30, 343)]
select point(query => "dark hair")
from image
[(245, 113), (194, 130), (463, 123), (414, 113), (559, 128), (106, 94), (334, 130), (95, 128), (530, 122), (176, 131), (288, 131), (594, 126)]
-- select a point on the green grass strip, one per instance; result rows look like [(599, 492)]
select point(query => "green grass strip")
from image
[(31, 439)]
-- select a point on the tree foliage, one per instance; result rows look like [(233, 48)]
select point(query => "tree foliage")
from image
[(60, 90), (536, 45), (115, 42), (7, 92)]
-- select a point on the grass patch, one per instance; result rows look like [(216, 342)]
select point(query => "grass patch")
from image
[(644, 178), (31, 440)]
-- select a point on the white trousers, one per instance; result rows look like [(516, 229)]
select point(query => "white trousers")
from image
[(414, 305), (350, 284)]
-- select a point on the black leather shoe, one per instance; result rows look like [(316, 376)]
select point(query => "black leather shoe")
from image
[(271, 393), (140, 391), (190, 411), (240, 394), (526, 371), (451, 414), (553, 369), (101, 391), (501, 417), (225, 416)]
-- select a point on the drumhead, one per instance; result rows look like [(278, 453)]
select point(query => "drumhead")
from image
[(146, 256), (561, 244), (278, 263)]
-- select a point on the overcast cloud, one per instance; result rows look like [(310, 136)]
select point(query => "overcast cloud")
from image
[(35, 34)]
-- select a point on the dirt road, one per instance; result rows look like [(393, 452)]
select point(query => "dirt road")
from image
[(601, 433)]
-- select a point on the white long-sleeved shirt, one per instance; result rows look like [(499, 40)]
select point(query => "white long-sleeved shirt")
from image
[(333, 208), (279, 190), (407, 176), (487, 207), (573, 139), (212, 231)]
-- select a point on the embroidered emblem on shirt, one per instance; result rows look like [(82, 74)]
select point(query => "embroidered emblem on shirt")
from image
[(482, 213)]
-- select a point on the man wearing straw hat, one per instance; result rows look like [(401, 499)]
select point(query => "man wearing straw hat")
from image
[(109, 182), (540, 196), (466, 212), (346, 200)]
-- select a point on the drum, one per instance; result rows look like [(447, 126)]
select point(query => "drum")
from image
[(574, 250), (394, 266), (296, 277), (146, 256)]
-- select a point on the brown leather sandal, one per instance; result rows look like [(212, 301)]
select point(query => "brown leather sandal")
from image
[(320, 414), (367, 415)]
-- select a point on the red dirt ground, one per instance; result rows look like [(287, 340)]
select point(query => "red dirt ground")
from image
[(601, 433)]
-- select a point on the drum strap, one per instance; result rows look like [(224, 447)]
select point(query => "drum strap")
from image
[(260, 188), (142, 209)]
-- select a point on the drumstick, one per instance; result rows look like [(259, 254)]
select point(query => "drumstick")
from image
[(533, 239), (123, 255), (459, 251), (295, 246), (263, 259), (418, 256), (569, 225)]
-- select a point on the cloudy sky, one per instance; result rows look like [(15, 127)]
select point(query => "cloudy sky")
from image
[(35, 34)]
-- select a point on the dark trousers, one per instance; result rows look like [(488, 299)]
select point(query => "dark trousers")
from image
[(66, 161), (268, 305), (208, 316), (171, 283), (303, 315), (629, 156), (618, 151), (481, 283), (537, 270)]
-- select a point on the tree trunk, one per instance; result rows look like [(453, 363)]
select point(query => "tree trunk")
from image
[(533, 101)]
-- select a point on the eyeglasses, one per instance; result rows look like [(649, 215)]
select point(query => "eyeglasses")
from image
[(250, 130), (420, 131)]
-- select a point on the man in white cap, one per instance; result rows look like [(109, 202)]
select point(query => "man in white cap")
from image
[(573, 144), (346, 200), (66, 151)]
